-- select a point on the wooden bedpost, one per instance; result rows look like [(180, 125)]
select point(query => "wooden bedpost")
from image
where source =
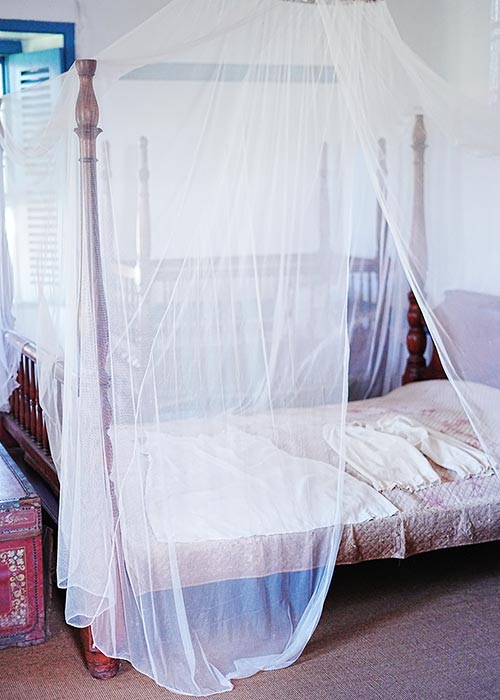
[(87, 117), (416, 340), (143, 229), (381, 221), (324, 201), (418, 238)]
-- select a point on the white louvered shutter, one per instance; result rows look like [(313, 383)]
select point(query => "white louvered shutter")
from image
[(30, 194)]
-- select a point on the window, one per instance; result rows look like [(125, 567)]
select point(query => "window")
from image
[(31, 53), (31, 39)]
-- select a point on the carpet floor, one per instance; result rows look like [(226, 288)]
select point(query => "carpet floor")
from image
[(423, 629)]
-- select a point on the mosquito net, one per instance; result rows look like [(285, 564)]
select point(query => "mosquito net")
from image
[(258, 211)]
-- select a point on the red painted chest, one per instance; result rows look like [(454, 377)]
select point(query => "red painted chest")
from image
[(21, 572)]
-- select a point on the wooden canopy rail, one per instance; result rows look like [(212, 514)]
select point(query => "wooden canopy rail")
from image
[(26, 424)]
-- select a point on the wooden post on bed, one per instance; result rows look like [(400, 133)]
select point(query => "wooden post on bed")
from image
[(144, 267), (143, 228), (418, 239), (324, 202), (87, 117), (381, 220), (416, 340)]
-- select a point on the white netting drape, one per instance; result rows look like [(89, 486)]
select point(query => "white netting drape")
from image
[(257, 217), (8, 355)]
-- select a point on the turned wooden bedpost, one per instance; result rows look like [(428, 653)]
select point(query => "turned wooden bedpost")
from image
[(418, 239), (381, 221), (87, 117), (324, 202), (143, 228), (416, 341)]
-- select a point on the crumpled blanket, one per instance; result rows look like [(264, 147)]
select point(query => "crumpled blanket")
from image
[(259, 488), (393, 450)]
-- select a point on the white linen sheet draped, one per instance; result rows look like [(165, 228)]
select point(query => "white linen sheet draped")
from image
[(245, 198)]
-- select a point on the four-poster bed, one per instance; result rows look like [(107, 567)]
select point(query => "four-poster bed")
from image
[(446, 513)]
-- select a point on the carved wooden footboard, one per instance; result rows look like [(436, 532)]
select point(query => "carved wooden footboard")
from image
[(25, 424)]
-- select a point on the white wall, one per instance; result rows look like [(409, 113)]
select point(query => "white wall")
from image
[(452, 36)]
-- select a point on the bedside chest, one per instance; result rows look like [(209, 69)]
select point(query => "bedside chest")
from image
[(22, 612)]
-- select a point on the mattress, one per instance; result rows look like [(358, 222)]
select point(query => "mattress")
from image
[(397, 523)]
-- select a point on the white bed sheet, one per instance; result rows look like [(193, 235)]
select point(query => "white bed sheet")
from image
[(296, 539)]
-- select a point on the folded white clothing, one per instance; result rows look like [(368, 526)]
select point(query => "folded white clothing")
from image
[(445, 450), (392, 452), (385, 461)]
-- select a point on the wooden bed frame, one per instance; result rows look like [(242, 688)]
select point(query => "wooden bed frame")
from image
[(25, 426)]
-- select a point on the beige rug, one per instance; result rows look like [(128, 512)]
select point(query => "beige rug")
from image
[(427, 628)]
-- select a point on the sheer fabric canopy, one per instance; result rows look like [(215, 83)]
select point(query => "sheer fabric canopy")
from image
[(258, 224)]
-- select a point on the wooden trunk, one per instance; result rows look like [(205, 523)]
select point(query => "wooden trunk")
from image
[(22, 614)]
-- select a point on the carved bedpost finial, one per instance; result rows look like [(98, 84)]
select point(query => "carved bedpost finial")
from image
[(87, 109), (416, 342), (419, 134), (143, 227), (418, 238), (382, 178), (324, 201), (416, 339)]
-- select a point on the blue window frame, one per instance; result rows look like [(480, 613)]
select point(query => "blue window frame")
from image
[(67, 29)]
